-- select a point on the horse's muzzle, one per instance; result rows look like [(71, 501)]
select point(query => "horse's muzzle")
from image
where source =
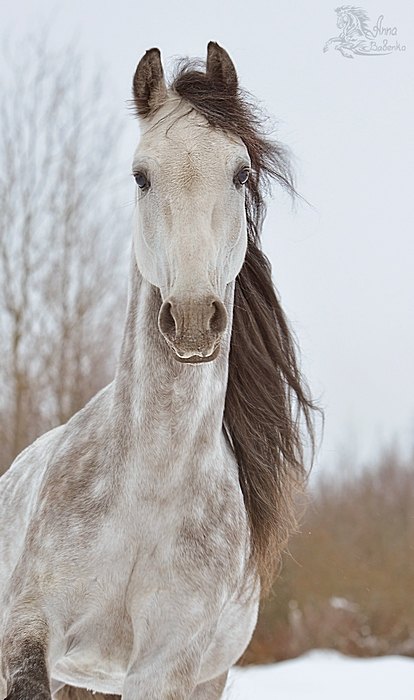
[(193, 327)]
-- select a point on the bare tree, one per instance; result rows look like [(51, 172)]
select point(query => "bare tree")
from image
[(61, 241)]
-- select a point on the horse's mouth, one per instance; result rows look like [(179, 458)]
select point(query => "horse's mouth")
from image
[(182, 353), (197, 359)]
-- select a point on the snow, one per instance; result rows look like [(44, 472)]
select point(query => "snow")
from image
[(325, 675), (343, 604)]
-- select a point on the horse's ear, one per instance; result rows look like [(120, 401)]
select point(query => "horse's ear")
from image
[(220, 68), (148, 87)]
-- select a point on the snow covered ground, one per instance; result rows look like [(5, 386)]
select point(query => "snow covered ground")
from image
[(325, 675)]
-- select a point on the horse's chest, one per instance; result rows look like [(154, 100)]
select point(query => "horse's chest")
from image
[(187, 528), (162, 570), (191, 547)]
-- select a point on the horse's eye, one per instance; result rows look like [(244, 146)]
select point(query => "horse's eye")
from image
[(242, 176), (142, 181)]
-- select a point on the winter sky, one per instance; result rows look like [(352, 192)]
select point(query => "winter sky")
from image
[(343, 264)]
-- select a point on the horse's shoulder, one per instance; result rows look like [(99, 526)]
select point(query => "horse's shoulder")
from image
[(31, 462), (41, 467)]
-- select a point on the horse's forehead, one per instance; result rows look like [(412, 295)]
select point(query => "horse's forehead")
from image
[(182, 135)]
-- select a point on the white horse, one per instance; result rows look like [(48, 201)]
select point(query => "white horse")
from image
[(134, 539)]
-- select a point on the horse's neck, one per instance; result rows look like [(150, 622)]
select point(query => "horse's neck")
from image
[(164, 407), (354, 26)]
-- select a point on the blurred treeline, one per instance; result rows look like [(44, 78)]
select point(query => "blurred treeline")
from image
[(348, 582), (61, 241)]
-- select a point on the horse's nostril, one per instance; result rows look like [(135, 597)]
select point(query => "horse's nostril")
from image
[(166, 320), (218, 321)]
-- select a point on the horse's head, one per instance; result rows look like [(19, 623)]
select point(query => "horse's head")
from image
[(350, 17), (190, 234), (345, 16)]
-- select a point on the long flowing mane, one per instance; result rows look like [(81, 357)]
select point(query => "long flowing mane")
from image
[(267, 401)]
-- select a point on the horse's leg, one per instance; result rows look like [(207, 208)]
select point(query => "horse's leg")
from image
[(24, 659), (69, 692), (211, 690), (330, 42)]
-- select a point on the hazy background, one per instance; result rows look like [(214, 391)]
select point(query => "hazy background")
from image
[(344, 265)]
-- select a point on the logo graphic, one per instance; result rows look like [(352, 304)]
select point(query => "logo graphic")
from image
[(357, 38)]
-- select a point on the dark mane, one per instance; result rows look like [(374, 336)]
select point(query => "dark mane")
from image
[(267, 402)]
